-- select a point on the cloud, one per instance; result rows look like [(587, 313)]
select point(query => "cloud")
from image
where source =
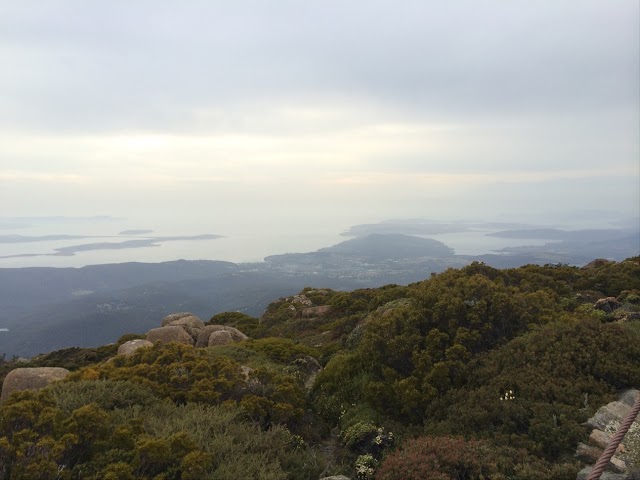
[(152, 66), (323, 101)]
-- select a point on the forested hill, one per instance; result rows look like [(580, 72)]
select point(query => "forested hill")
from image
[(472, 373)]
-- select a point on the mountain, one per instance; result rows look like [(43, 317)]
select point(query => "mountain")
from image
[(493, 373)]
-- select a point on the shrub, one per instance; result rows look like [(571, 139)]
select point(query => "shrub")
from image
[(440, 458)]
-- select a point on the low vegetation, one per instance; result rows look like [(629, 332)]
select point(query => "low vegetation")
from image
[(474, 373)]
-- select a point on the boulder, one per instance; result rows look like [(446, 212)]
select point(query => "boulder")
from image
[(630, 397), (191, 324), (336, 477), (584, 475), (30, 379), (616, 465), (170, 333), (607, 305), (312, 312), (175, 316), (246, 372), (205, 333), (587, 454), (127, 348), (612, 412), (601, 439), (307, 364), (222, 337)]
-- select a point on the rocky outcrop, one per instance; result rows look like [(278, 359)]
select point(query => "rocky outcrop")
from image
[(192, 325), (30, 379), (185, 327), (232, 335), (603, 426), (608, 304), (170, 333), (175, 316), (221, 337), (131, 346)]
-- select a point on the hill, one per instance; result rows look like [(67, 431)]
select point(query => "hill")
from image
[(49, 308), (473, 373), (378, 247)]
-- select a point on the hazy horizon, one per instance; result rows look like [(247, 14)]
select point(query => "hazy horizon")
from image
[(308, 118)]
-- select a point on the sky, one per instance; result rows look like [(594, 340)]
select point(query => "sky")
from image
[(323, 113)]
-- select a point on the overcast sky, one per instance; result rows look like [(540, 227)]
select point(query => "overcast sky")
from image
[(338, 111)]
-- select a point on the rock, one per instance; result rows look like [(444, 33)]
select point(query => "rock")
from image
[(246, 372), (311, 312), (221, 337), (192, 325), (302, 299), (30, 379), (176, 316), (587, 454), (205, 333), (607, 305), (599, 439), (127, 348), (630, 397), (307, 364), (170, 333), (584, 475), (614, 411), (336, 477), (616, 465)]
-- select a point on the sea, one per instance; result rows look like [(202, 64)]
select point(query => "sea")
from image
[(236, 245)]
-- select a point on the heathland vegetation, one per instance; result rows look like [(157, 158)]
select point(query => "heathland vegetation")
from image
[(473, 373)]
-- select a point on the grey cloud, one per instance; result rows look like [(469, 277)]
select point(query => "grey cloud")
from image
[(148, 65)]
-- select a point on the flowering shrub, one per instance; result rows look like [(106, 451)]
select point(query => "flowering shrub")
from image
[(439, 458), (365, 437), (366, 467)]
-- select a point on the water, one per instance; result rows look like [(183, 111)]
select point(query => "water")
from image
[(238, 245), (235, 246)]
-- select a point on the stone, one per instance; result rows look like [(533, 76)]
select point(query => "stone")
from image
[(192, 325), (599, 439), (127, 348), (584, 475), (336, 477), (205, 333), (302, 299), (222, 337), (170, 333), (307, 364), (630, 397), (607, 305), (617, 465), (246, 372), (175, 316), (30, 379), (612, 412), (312, 312), (587, 454)]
